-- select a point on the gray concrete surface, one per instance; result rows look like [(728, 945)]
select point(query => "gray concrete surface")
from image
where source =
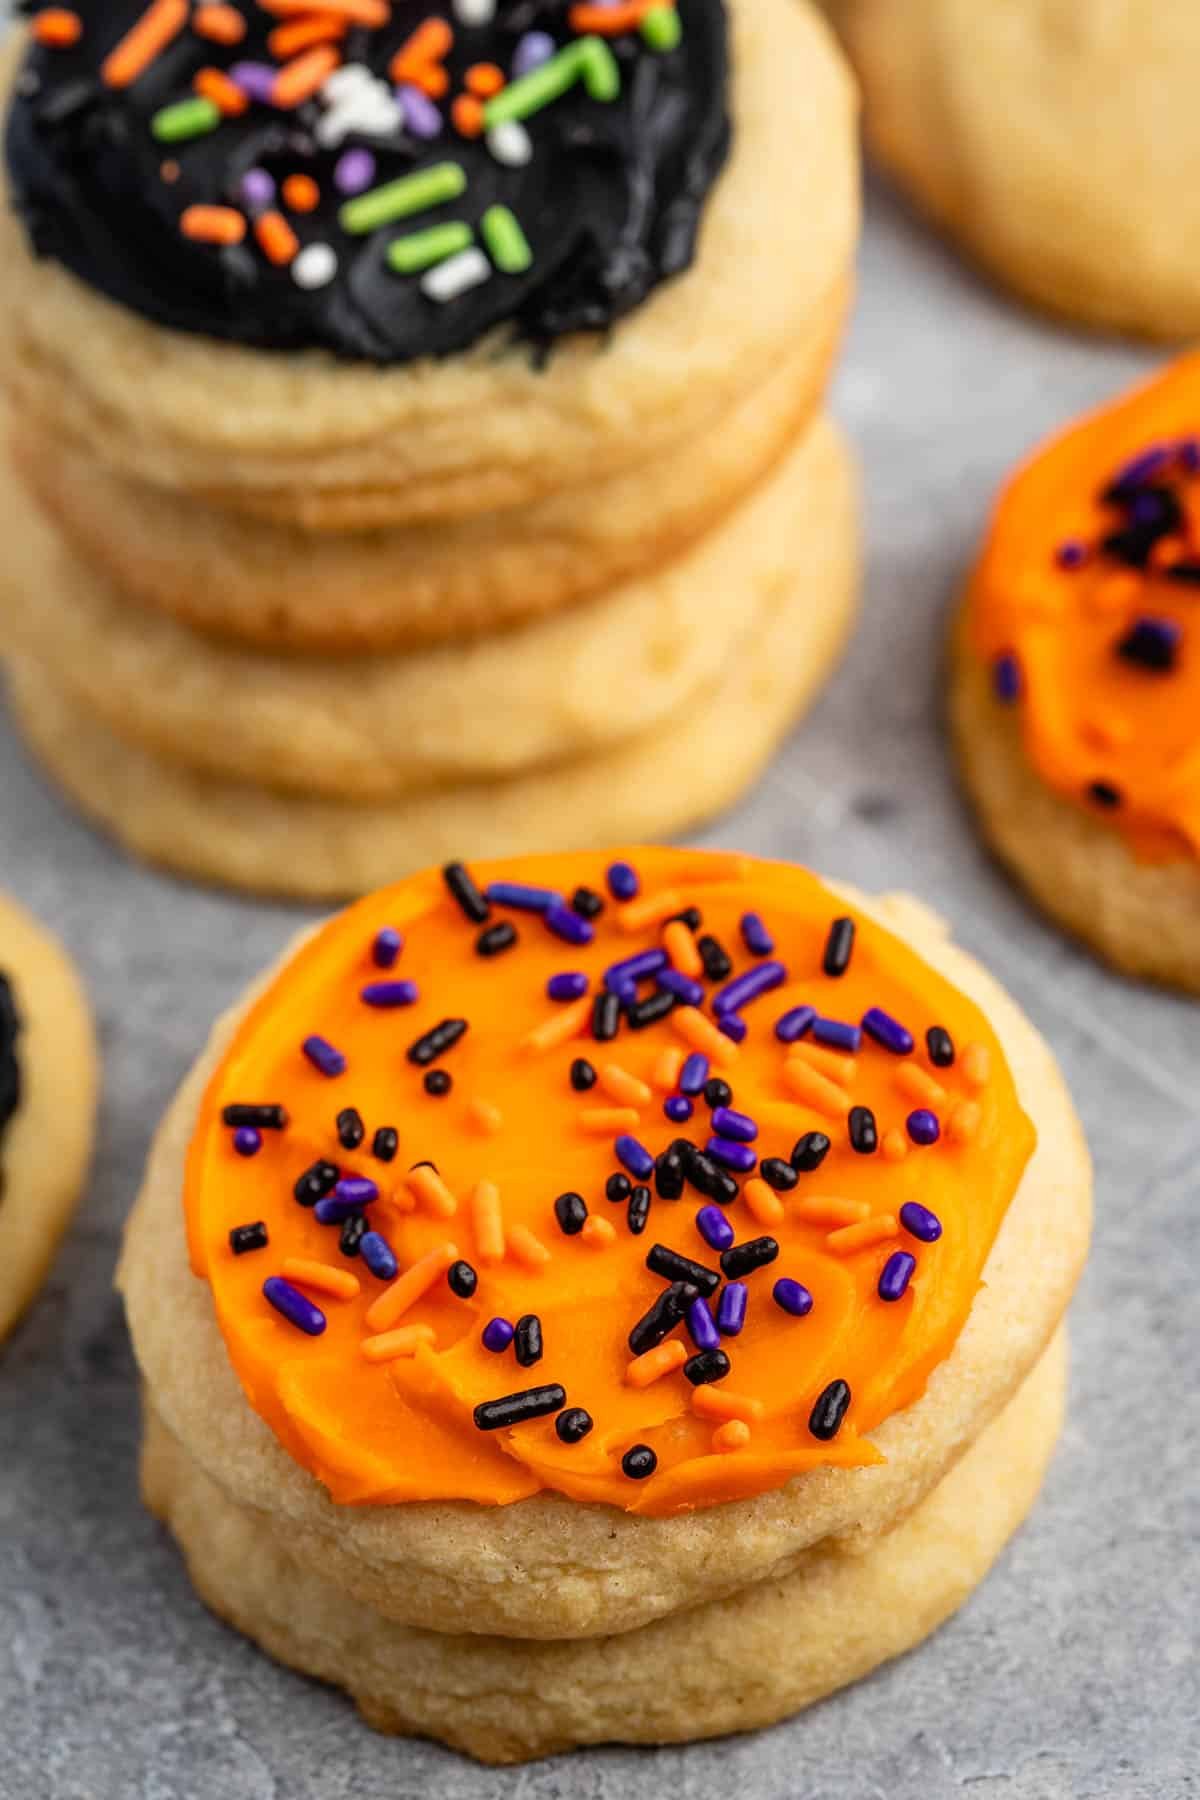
[(1073, 1672)]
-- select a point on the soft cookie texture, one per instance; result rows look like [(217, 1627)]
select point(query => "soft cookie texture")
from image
[(46, 1144), (1057, 142), (730, 1665)]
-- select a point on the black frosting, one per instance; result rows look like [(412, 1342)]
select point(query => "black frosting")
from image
[(10, 1074), (610, 202)]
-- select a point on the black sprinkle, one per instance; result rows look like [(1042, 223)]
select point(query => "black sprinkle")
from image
[(571, 1212), (352, 1233), (606, 1017), (662, 1318), (496, 938), (435, 1043), (587, 903), (778, 1174), (385, 1143), (832, 1405), (350, 1129), (618, 1188), (1104, 794), (718, 965), (573, 1425), (725, 1188), (1148, 647), (673, 1266), (462, 887), (527, 1340), (717, 1092), (462, 1280), (864, 1133), (515, 1409), (260, 1118), (743, 1259), (708, 1365), (583, 1076), (940, 1046), (691, 916), (317, 1181), (639, 1463), (437, 1083), (809, 1152), (649, 1011), (248, 1237), (1185, 572), (668, 1175), (639, 1210), (839, 947)]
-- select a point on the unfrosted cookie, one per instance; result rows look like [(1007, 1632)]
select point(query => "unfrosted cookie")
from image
[(1056, 141), (1076, 679), (845, 1204), (577, 684), (48, 1085)]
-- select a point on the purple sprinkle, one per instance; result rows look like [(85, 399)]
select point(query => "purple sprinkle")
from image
[(570, 985), (792, 1297), (421, 116), (323, 1057), (1141, 467), (836, 1034), (521, 897), (686, 991), (731, 1309), (296, 1309), (620, 976), (498, 1334), (636, 1158), (1072, 554), (678, 1109), (378, 1255), (792, 1025), (1152, 644), (567, 924), (358, 1190), (887, 1031), (714, 1227), (255, 79), (247, 1141), (1006, 679), (743, 988), (730, 1124), (623, 883), (389, 993), (920, 1223), (755, 935), (739, 1157), (923, 1127), (897, 1273), (1189, 454), (386, 948), (354, 171), (693, 1074), (535, 48), (348, 1197), (704, 1333), (258, 189), (733, 1026)]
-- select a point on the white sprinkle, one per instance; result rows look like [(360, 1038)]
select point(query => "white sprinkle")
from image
[(456, 275), (474, 12), (510, 144), (315, 266)]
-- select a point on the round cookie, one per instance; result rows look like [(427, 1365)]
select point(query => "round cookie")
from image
[(575, 684), (731, 1665), (568, 1543), (49, 1077), (491, 425), (1041, 134), (1076, 679)]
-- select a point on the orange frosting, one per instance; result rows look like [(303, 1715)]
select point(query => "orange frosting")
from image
[(1110, 732), (380, 1405)]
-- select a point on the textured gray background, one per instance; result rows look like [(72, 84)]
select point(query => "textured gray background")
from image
[(1073, 1672)]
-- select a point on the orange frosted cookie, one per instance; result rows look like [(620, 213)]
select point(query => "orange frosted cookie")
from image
[(1078, 677)]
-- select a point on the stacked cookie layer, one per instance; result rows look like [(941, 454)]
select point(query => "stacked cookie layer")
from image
[(301, 623)]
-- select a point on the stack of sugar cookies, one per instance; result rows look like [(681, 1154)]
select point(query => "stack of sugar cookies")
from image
[(422, 407), (605, 1296)]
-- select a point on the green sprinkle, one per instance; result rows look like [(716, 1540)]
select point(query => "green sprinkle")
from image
[(186, 119), (598, 66), (588, 60), (422, 249), (662, 28), (506, 243), (400, 199)]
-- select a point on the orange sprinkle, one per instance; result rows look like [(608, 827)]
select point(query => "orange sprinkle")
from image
[(735, 1434), (301, 194), (915, 1083), (57, 28), (527, 1247), (649, 909), (828, 1062), (680, 945), (702, 1034), (301, 34), (299, 79), (467, 114), (487, 1222), (218, 23), (563, 1024), (162, 21), (976, 1063), (431, 1192), (402, 1201), (622, 1086), (764, 1204), (276, 238), (964, 1122), (418, 57), (169, 171), (665, 1072), (861, 1236), (408, 1288), (815, 1089), (597, 1233), (610, 21), (718, 1403), (216, 86), (827, 1209), (321, 1276), (485, 1117), (662, 1360), (356, 12), (603, 1121), (483, 80), (894, 1145), (388, 1345), (212, 224)]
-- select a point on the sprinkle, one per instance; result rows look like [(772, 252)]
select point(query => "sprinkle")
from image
[(429, 44), (323, 1056), (144, 42), (219, 23), (618, 1188), (244, 1238), (435, 1043), (733, 1026), (487, 1222), (649, 910), (735, 1434), (372, 13), (777, 1174), (300, 34), (702, 1326), (267, 1117), (809, 1152), (351, 1235), (387, 1346), (603, 1121), (718, 1403), (437, 1083), (940, 1046), (764, 1206), (744, 1259), (560, 1027), (456, 276), (839, 947), (582, 1075), (456, 875), (316, 1182), (816, 1090), (886, 1031), (301, 194), (598, 1233), (566, 923), (378, 1255), (315, 266), (1152, 644), (694, 1074), (624, 1087), (396, 1300), (571, 1212), (964, 1122), (827, 1210), (653, 1364), (792, 1025), (731, 1308), (668, 1069), (573, 1425), (587, 903), (977, 1065), (737, 1125), (185, 119), (298, 80), (462, 1280), (353, 173), (862, 1236), (497, 1335), (526, 1248), (655, 1007), (606, 1016), (663, 1317), (430, 1191), (276, 239), (714, 1228), (896, 1275), (506, 243), (923, 1127), (864, 1134), (424, 249), (296, 1309), (212, 225), (792, 1297), (1006, 678), (339, 1283), (755, 935), (254, 78), (484, 79), (662, 30), (570, 985), (717, 963), (474, 12), (749, 986), (493, 940), (485, 1117), (668, 1175), (707, 1366), (639, 1463), (678, 1109), (350, 1195), (918, 1084), (257, 188), (731, 1155), (622, 879), (700, 1032), (515, 1409), (831, 1407), (1071, 555), (894, 1145), (1104, 794), (350, 1128), (385, 1143), (836, 1034), (527, 1340), (533, 49), (685, 990), (636, 1158), (247, 1141)]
